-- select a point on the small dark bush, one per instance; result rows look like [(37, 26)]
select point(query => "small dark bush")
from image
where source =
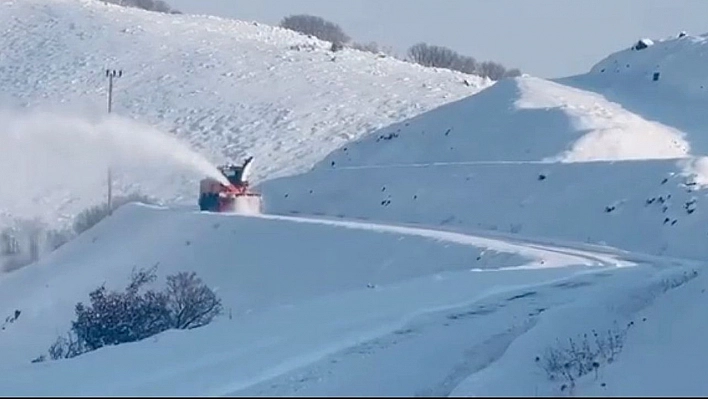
[(24, 241), (191, 303), (582, 356), (371, 47), (114, 318), (336, 46), (315, 26), (93, 215), (149, 5)]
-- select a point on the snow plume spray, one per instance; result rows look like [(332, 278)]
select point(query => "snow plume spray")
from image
[(53, 164)]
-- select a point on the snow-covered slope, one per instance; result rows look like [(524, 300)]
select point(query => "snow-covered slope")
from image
[(521, 119), (317, 287), (665, 354), (679, 95), (474, 166), (226, 88), (326, 308), (673, 63), (527, 156), (523, 181), (646, 206)]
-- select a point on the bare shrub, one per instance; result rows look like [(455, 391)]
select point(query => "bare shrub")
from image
[(24, 241), (443, 57), (336, 46), (95, 214), (433, 56), (371, 47), (191, 303), (149, 5), (65, 347), (512, 73), (301, 47), (113, 317), (492, 70), (315, 26), (568, 362)]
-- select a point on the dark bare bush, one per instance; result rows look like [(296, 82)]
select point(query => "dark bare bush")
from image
[(585, 355), (305, 47), (9, 242), (114, 318), (492, 70), (93, 215), (371, 47), (191, 303), (443, 57), (90, 217), (433, 56), (336, 46), (65, 347), (317, 27), (512, 73), (149, 5), (24, 241)]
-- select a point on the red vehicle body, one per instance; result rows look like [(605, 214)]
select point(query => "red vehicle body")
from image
[(217, 196)]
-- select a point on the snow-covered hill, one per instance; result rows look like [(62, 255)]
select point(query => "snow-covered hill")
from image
[(326, 308), (673, 64), (521, 119), (598, 158), (526, 156), (645, 206), (451, 252), (318, 287), (226, 88), (679, 95), (604, 158)]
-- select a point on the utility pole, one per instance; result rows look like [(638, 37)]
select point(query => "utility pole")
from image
[(111, 74)]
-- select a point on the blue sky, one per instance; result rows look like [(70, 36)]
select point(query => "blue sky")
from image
[(545, 38)]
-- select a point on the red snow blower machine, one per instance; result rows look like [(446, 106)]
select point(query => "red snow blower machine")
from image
[(236, 196)]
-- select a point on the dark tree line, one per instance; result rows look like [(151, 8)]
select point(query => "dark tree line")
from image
[(443, 57), (421, 53)]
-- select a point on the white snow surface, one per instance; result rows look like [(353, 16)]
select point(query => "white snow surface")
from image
[(521, 119), (287, 307), (439, 247), (612, 160), (227, 89)]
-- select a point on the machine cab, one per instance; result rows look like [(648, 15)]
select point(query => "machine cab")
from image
[(237, 174), (234, 173)]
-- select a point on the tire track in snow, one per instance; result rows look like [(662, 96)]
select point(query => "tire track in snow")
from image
[(478, 358), (480, 346), (557, 255), (432, 354)]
